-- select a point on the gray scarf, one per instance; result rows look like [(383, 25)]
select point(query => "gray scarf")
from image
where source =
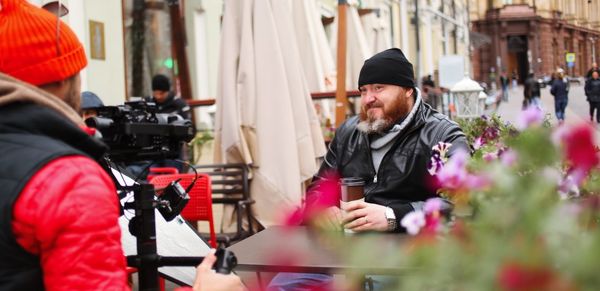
[(380, 145)]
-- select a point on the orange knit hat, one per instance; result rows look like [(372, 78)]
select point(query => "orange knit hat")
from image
[(32, 49)]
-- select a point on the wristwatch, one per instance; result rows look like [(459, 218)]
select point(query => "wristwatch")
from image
[(391, 218)]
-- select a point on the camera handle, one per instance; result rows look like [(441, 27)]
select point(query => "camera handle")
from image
[(142, 226)]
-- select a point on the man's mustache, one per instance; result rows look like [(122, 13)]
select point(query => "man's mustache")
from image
[(374, 105)]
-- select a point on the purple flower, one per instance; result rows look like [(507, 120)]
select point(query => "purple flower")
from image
[(442, 148), (413, 221), (568, 186), (438, 157), (490, 133), (532, 116), (435, 164)]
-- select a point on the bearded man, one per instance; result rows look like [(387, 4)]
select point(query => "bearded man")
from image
[(389, 146)]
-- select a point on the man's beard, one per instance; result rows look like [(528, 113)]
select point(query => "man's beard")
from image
[(370, 124)]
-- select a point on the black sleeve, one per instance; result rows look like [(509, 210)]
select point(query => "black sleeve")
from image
[(328, 167), (183, 108), (455, 136)]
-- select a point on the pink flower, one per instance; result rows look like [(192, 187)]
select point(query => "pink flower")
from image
[(532, 116), (475, 182), (413, 221), (478, 143), (454, 173), (489, 157), (508, 157), (432, 210), (580, 148), (560, 134), (518, 276), (325, 193), (432, 205)]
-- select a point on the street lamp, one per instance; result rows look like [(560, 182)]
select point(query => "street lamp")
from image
[(468, 101)]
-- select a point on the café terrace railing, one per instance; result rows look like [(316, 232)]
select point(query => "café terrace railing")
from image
[(315, 96)]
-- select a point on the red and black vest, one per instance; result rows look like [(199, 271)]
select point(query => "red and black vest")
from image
[(31, 136)]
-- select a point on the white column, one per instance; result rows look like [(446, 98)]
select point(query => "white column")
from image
[(428, 38), (404, 27), (76, 20)]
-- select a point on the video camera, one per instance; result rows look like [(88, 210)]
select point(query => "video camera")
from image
[(136, 132)]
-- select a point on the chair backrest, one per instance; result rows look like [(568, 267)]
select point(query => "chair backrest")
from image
[(155, 171), (231, 185), (230, 182), (200, 205)]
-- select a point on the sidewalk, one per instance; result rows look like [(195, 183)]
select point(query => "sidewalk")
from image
[(577, 110)]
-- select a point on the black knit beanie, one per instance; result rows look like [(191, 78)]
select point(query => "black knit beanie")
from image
[(161, 83), (387, 67)]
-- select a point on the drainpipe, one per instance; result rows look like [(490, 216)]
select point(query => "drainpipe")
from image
[(418, 39)]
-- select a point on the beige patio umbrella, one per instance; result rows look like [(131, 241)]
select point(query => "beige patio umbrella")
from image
[(376, 26), (315, 53), (269, 108), (318, 64)]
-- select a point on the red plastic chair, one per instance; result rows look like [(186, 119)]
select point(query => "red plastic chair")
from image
[(155, 171), (199, 208)]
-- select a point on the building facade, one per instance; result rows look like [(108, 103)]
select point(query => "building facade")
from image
[(536, 36), (99, 27)]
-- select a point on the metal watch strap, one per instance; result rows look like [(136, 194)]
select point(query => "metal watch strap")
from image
[(391, 218)]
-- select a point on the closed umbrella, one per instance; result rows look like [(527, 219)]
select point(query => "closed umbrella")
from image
[(377, 29), (262, 80), (315, 53)]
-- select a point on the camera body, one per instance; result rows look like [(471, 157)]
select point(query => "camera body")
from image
[(136, 132)]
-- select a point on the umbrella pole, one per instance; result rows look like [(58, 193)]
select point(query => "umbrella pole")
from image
[(341, 99)]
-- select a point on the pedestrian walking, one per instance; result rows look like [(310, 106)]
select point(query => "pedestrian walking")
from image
[(504, 86), (531, 92), (592, 92), (560, 91), (594, 68), (515, 78)]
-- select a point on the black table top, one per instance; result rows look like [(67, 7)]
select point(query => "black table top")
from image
[(299, 249)]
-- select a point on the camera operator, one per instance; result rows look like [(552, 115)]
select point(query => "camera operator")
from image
[(90, 102), (165, 99), (59, 208)]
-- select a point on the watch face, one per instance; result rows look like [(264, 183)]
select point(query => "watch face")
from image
[(391, 224)]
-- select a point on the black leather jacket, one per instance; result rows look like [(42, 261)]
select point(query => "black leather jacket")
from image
[(402, 178), (171, 105), (592, 90)]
